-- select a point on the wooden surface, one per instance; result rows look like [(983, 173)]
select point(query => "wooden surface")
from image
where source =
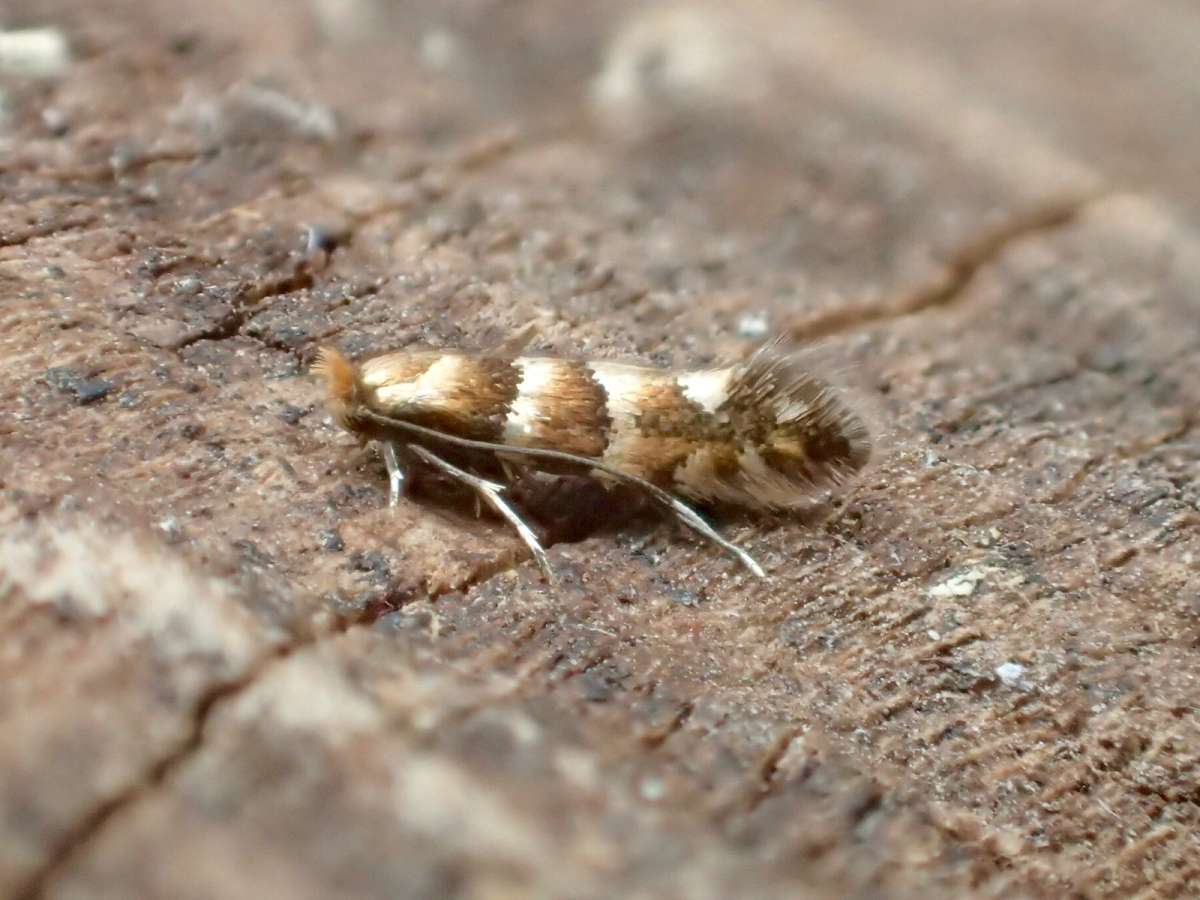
[(228, 670)]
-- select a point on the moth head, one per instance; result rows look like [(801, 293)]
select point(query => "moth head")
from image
[(341, 382)]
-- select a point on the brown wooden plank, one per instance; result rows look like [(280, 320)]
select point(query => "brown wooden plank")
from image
[(230, 670)]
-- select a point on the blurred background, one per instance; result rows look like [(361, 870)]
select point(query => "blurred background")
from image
[(1114, 88)]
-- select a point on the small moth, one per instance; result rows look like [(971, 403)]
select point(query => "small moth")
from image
[(762, 434)]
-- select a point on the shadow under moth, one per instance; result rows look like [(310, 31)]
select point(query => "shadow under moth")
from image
[(765, 433)]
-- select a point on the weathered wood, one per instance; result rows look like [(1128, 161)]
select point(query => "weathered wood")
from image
[(230, 670)]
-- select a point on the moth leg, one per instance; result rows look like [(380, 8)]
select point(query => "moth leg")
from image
[(682, 511), (684, 514), (397, 476), (489, 492), (692, 519), (510, 472), (513, 470)]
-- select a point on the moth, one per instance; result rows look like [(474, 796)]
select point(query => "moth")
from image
[(761, 434)]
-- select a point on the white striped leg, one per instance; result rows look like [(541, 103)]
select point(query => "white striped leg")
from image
[(489, 491), (397, 477)]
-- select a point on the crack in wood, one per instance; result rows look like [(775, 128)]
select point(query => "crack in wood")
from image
[(1069, 486), (951, 283), (119, 164), (593, 662), (88, 828), (655, 739), (750, 793), (768, 766), (46, 229), (249, 300)]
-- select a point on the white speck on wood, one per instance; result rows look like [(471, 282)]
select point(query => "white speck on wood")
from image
[(960, 584), (1012, 675), (34, 52)]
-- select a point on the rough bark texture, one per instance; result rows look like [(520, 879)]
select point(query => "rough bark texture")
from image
[(228, 670)]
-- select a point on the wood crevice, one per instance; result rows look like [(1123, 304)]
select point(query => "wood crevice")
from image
[(950, 284)]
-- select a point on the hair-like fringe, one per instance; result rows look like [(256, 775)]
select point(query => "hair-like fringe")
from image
[(851, 382), (341, 380), (796, 406), (339, 374)]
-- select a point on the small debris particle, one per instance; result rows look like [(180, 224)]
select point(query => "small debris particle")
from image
[(147, 194), (797, 633), (293, 414), (347, 21), (684, 597), (372, 563), (56, 121), (169, 526), (189, 285), (92, 390), (440, 49), (961, 584), (278, 334), (183, 43), (652, 788), (1012, 675), (331, 541), (600, 683), (989, 538), (62, 377), (753, 325), (312, 121), (70, 381), (123, 158), (677, 57), (455, 221), (404, 620), (34, 52), (253, 554), (323, 238)]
